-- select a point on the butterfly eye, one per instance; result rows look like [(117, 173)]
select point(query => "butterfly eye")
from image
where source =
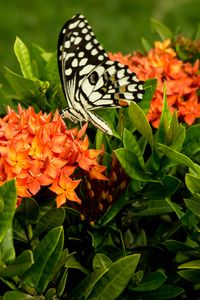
[(93, 77)]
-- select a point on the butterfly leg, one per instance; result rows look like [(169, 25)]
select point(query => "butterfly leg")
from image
[(99, 123)]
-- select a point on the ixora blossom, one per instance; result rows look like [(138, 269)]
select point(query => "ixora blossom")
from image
[(38, 150), (182, 80)]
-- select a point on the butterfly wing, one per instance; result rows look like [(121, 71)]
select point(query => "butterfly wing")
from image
[(89, 79)]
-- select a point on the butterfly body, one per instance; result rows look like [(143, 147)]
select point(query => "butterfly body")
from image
[(89, 79)]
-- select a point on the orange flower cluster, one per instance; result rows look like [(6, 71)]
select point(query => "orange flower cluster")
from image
[(38, 150), (182, 80)]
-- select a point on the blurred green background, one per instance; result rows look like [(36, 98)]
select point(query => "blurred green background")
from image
[(119, 25)]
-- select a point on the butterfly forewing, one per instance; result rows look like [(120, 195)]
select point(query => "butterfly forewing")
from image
[(89, 79)]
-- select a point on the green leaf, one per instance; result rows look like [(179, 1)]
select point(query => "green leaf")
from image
[(165, 120), (50, 294), (177, 208), (19, 232), (130, 164), (190, 275), (139, 120), (37, 61), (26, 89), (114, 281), (175, 246), (1, 204), (131, 144), (194, 205), (155, 207), (62, 283), (113, 210), (84, 288), (177, 157), (146, 45), (28, 210), (22, 263), (164, 292), (162, 30), (170, 131), (51, 70), (101, 261), (149, 87), (53, 218), (23, 57), (193, 264), (51, 264), (8, 194), (46, 256), (20, 296), (191, 145), (73, 263), (166, 188), (7, 250), (151, 282), (192, 183)]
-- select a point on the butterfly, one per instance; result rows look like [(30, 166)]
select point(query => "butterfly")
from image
[(90, 80)]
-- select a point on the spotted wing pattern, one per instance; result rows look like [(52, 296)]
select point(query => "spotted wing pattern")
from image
[(89, 79)]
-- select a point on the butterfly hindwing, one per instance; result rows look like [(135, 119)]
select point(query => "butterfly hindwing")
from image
[(89, 79)]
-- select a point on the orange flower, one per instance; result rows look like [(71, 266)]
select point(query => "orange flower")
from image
[(39, 151), (64, 188), (182, 80)]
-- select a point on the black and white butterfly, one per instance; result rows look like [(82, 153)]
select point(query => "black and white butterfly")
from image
[(89, 79)]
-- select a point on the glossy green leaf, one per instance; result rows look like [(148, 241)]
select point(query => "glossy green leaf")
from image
[(22, 263), (28, 210), (130, 164), (73, 263), (177, 208), (37, 61), (15, 295), (194, 264), (19, 231), (50, 294), (165, 120), (161, 29), (146, 45), (139, 120), (149, 87), (101, 261), (175, 246), (46, 256), (52, 262), (1, 205), (192, 275), (114, 281), (7, 250), (194, 205), (84, 288), (191, 144), (151, 282), (8, 195), (27, 90), (177, 157), (131, 144), (113, 210), (62, 283), (155, 207), (53, 218), (176, 133), (164, 189), (23, 56), (51, 69), (164, 292), (192, 183)]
